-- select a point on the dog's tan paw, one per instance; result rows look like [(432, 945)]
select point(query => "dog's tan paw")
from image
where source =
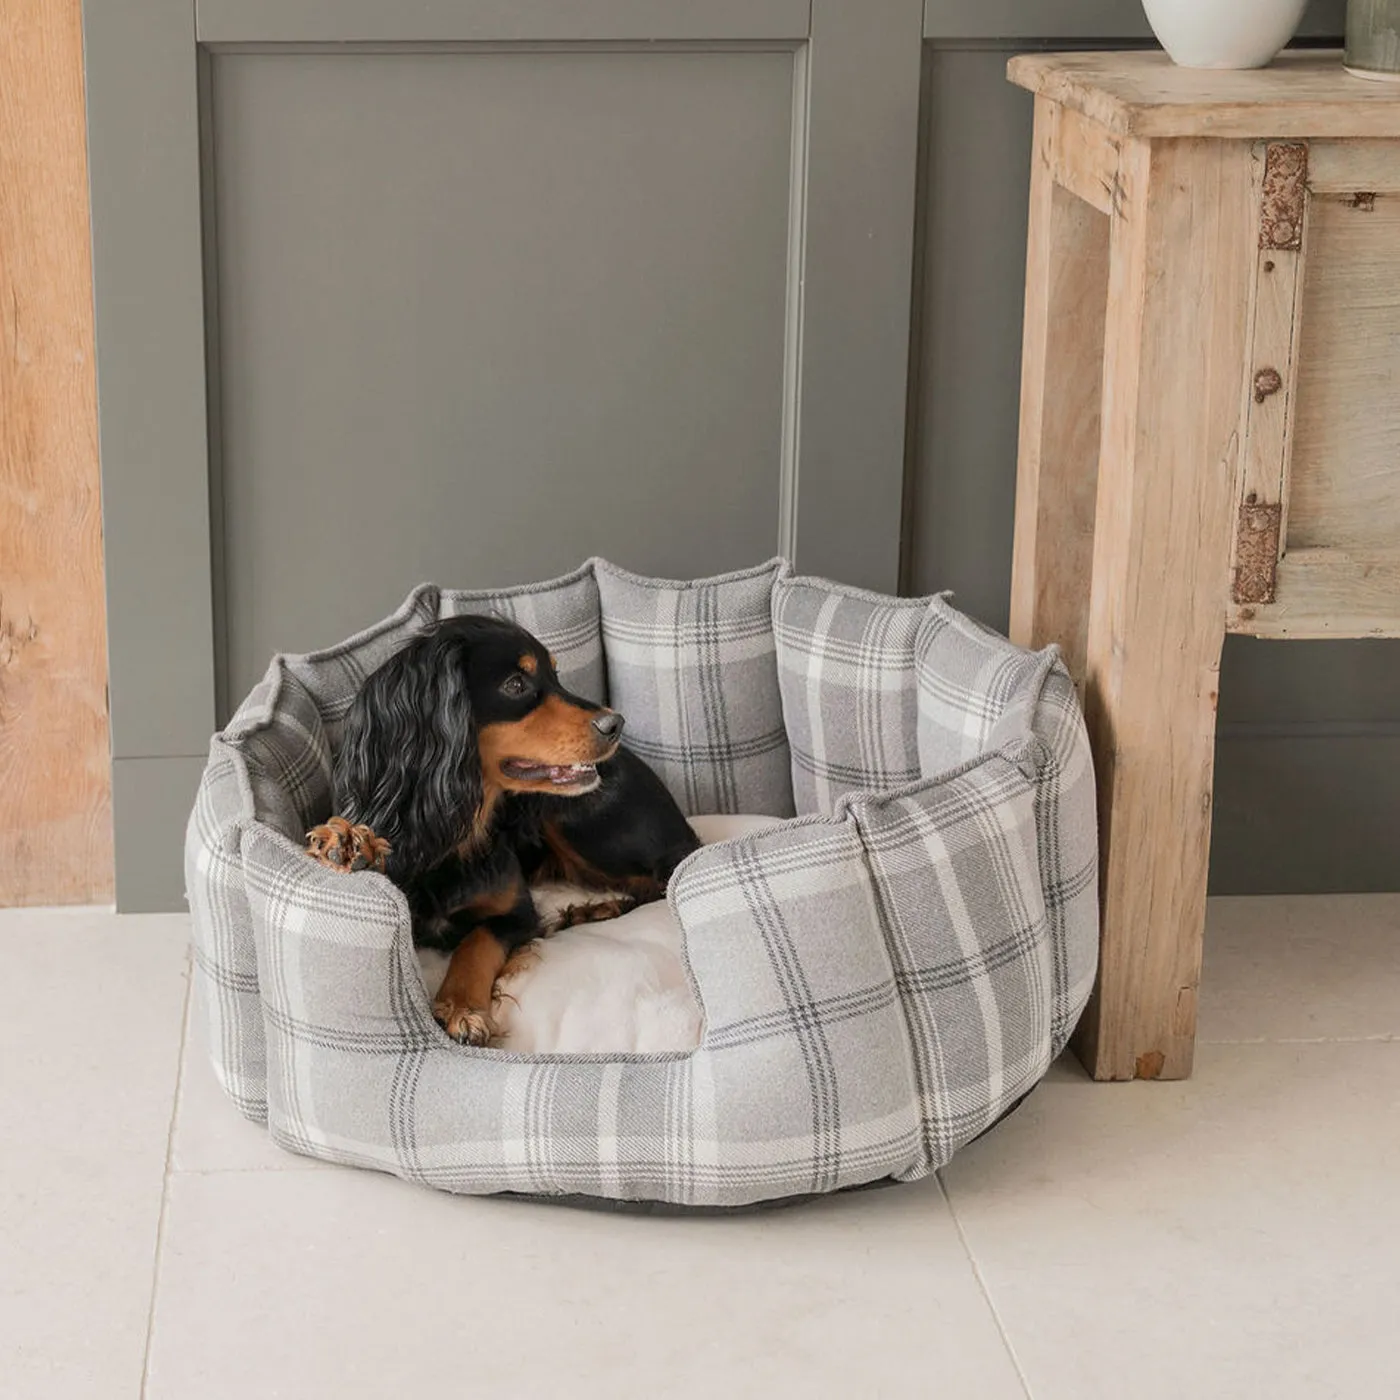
[(340, 846), (465, 1025), (370, 851), (596, 912), (332, 843)]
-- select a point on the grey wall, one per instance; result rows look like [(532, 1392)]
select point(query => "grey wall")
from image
[(1308, 751), (461, 325), (469, 292), (472, 291)]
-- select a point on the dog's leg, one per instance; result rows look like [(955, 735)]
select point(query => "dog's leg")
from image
[(463, 1005), (343, 847), (627, 892), (595, 912)]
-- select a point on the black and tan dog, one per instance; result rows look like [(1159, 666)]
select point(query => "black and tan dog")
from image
[(466, 772)]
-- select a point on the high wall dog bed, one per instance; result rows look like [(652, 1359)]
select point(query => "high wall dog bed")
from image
[(881, 975)]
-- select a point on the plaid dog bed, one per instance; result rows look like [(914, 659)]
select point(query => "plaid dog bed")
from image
[(882, 976)]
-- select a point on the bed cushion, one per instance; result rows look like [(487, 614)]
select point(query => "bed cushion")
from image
[(850, 703), (693, 667)]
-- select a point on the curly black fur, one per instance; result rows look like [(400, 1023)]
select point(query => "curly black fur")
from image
[(407, 764), (467, 833)]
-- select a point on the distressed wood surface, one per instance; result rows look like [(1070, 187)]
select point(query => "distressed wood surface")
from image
[(1061, 375), (1270, 369), (1085, 157), (1175, 341), (55, 783), (1346, 167), (1344, 489), (1299, 94), (1328, 593)]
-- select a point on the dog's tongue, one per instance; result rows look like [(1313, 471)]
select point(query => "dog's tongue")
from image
[(560, 774)]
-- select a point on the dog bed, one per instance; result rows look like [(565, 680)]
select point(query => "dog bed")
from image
[(881, 974)]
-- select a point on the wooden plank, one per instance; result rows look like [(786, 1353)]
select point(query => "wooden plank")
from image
[(1061, 379), (1174, 344), (55, 784), (1270, 369), (1086, 159), (1328, 593), (143, 145), (1350, 167), (1345, 475), (1301, 94), (541, 21)]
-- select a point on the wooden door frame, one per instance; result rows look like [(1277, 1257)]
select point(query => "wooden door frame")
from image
[(55, 786)]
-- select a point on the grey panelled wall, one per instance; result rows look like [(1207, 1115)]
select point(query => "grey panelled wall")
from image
[(1308, 762), (471, 290), (459, 331)]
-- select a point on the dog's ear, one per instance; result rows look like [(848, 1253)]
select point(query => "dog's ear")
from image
[(407, 764)]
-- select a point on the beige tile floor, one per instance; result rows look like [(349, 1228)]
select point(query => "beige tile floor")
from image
[(1234, 1236)]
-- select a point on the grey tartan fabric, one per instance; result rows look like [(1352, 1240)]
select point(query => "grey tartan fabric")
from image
[(225, 981), (564, 614), (693, 667), (850, 703), (966, 676), (880, 980), (272, 764)]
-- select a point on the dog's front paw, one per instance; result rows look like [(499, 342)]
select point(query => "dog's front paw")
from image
[(346, 848), (464, 1024), (595, 912)]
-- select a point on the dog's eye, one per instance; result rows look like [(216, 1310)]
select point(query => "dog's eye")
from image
[(515, 686)]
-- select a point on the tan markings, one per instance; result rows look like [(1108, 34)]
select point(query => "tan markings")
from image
[(524, 958), (564, 863), (479, 832), (554, 732), (528, 664), (572, 915), (343, 847), (463, 1005), (495, 903)]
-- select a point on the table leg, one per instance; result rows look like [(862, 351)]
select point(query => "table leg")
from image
[(1061, 377), (1181, 247)]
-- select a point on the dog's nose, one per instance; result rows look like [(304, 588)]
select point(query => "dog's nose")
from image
[(609, 725)]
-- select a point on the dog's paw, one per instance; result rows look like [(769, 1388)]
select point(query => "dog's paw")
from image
[(343, 847), (595, 912), (464, 1024)]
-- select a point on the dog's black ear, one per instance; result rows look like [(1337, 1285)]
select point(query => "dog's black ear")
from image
[(407, 764)]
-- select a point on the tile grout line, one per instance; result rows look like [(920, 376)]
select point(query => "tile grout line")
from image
[(982, 1287), (165, 1178)]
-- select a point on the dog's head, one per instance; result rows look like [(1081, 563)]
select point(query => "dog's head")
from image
[(465, 713)]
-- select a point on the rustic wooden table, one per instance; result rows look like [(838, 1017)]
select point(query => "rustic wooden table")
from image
[(1210, 442)]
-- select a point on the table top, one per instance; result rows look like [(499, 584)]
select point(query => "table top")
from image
[(1300, 94)]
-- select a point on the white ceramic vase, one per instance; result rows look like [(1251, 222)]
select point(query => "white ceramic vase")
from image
[(1223, 33)]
